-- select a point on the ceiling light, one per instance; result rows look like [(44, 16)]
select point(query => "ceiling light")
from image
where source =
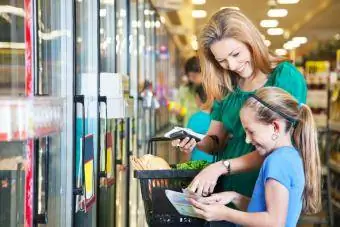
[(147, 24), (199, 13), (277, 13), (158, 24), (275, 31), (198, 2), (295, 44), (287, 46), (281, 52), (269, 23), (290, 45), (267, 42), (287, 1), (230, 7), (301, 40)]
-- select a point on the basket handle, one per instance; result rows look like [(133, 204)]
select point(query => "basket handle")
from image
[(155, 139)]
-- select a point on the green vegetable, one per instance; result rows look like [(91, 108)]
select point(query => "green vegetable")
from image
[(192, 165)]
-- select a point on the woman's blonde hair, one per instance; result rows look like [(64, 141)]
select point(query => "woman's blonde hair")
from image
[(272, 103), (230, 23)]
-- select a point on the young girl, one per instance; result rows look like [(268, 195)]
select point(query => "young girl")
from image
[(283, 131)]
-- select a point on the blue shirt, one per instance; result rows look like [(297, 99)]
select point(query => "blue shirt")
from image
[(199, 122), (285, 166)]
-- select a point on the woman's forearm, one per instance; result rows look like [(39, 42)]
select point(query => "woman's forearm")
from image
[(207, 145), (246, 162), (215, 138)]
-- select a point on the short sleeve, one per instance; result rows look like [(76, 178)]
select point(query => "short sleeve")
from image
[(291, 80), (275, 168), (216, 112)]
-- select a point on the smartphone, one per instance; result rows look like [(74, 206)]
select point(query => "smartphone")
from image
[(182, 135)]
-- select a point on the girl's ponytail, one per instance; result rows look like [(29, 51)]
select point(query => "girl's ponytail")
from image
[(305, 138)]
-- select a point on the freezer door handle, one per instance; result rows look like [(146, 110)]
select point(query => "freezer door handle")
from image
[(81, 100), (41, 218), (103, 99)]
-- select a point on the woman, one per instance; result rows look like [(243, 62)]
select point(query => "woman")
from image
[(235, 63)]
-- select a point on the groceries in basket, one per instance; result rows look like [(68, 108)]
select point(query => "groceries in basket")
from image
[(149, 162), (182, 133), (152, 162), (193, 165)]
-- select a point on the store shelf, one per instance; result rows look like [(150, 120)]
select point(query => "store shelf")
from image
[(334, 166), (334, 126), (29, 117)]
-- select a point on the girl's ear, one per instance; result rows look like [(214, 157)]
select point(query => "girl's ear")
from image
[(277, 126)]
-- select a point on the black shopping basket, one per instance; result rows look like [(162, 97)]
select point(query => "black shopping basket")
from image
[(158, 209)]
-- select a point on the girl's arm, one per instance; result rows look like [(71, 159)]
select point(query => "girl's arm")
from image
[(241, 201), (277, 205)]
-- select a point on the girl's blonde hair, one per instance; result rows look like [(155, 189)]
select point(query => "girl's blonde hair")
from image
[(230, 23), (272, 103)]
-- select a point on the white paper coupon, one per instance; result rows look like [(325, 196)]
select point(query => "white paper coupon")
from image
[(180, 202)]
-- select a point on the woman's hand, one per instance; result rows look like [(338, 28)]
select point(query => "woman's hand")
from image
[(222, 198), (186, 145), (214, 212), (205, 182)]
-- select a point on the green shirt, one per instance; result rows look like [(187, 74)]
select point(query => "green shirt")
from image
[(227, 111)]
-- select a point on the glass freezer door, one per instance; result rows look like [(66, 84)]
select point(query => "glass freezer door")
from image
[(86, 119), (54, 152), (12, 83), (122, 193), (106, 183)]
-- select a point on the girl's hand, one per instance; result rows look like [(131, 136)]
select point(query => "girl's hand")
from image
[(205, 182), (186, 145), (222, 198), (215, 212)]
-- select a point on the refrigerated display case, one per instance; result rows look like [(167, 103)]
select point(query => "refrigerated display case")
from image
[(107, 140), (73, 170), (33, 147), (122, 160), (86, 118), (52, 67), (133, 71)]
